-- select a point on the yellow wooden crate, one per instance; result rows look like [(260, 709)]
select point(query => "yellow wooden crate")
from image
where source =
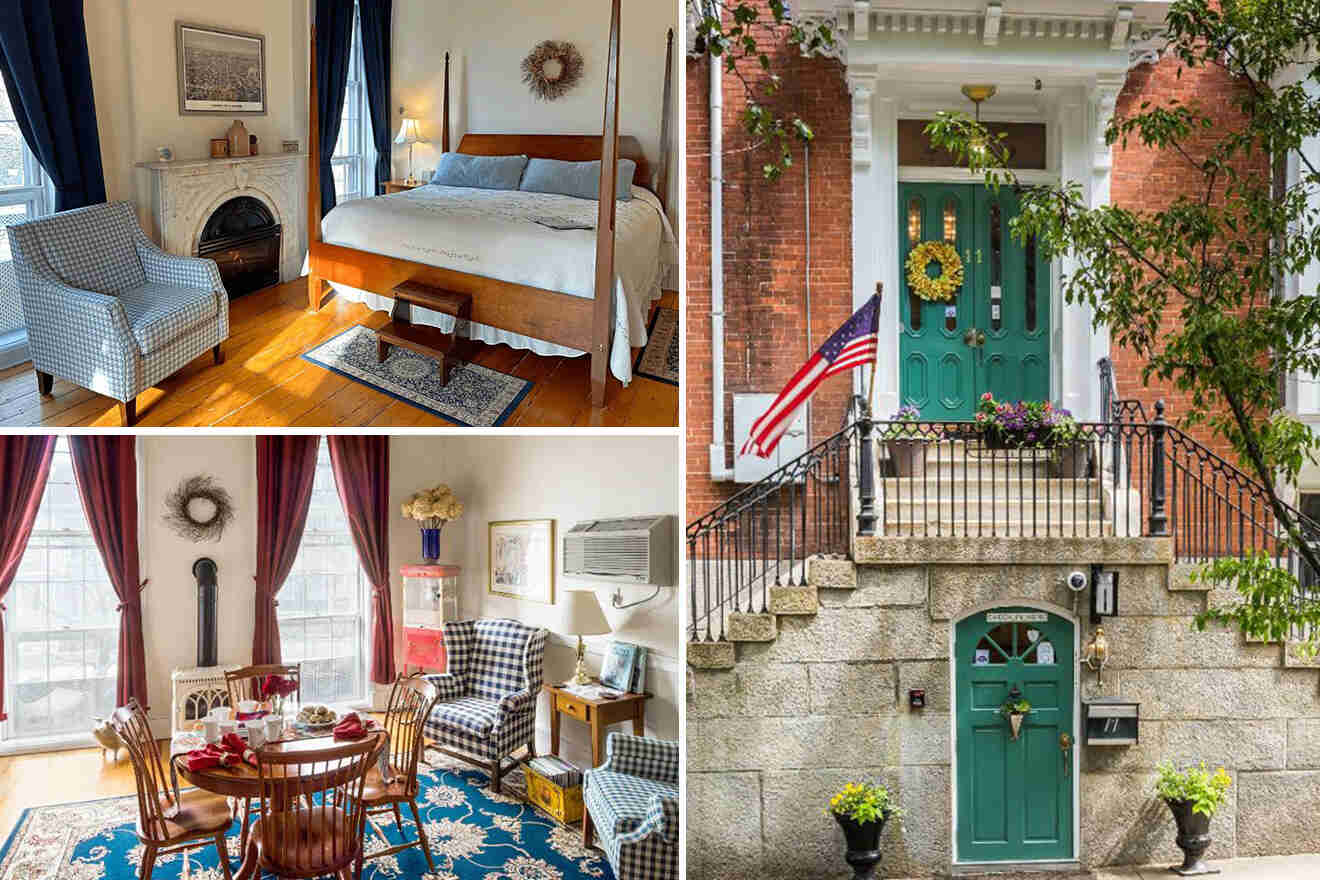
[(565, 804)]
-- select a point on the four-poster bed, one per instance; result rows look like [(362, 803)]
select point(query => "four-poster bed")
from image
[(582, 320)]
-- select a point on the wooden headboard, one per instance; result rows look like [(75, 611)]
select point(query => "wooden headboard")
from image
[(569, 147)]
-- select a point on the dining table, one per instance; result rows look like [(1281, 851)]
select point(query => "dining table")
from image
[(242, 780)]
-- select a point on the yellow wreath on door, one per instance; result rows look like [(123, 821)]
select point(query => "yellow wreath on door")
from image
[(942, 287)]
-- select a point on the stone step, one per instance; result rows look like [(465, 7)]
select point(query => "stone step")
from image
[(711, 655), (744, 627), (794, 600), (945, 486), (831, 574), (975, 507)]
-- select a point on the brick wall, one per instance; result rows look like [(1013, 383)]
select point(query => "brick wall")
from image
[(765, 239)]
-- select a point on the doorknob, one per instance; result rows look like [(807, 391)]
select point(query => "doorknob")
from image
[(1065, 746), (973, 338)]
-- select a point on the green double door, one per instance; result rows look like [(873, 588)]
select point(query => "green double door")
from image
[(1015, 800), (995, 334)]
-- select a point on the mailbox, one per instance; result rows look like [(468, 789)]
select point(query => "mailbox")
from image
[(1112, 723)]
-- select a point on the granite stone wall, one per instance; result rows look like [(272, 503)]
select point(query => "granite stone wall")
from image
[(825, 702)]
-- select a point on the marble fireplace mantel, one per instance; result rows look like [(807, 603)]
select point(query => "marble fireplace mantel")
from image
[(185, 192)]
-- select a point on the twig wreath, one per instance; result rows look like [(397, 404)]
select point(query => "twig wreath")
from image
[(552, 69), (942, 287), (198, 509)]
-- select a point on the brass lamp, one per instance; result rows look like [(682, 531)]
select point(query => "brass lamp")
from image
[(1096, 654), (409, 133), (580, 615)]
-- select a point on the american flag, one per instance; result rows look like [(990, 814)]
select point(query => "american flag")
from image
[(852, 345)]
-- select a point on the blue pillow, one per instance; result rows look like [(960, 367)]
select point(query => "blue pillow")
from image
[(578, 179), (480, 172)]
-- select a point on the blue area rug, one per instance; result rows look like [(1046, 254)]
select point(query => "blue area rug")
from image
[(474, 835), (476, 396)]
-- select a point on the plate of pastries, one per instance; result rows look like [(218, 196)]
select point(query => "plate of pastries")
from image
[(316, 717)]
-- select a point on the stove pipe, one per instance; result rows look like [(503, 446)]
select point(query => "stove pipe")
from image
[(204, 570)]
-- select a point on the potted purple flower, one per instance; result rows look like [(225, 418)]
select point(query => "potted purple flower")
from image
[(905, 441)]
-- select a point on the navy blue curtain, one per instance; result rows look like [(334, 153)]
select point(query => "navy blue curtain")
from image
[(44, 63), (334, 47), (376, 58)]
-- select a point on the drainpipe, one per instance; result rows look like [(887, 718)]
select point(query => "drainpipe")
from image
[(719, 470)]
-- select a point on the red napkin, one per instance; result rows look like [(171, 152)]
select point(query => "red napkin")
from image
[(233, 744), (249, 716), (211, 756), (351, 727)]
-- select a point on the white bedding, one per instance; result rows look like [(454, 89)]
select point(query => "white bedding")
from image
[(494, 233)]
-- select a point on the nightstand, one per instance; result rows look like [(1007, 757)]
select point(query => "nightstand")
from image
[(596, 714), (398, 186)]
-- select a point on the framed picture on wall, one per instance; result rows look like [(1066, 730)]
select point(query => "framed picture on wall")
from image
[(522, 559), (221, 72)]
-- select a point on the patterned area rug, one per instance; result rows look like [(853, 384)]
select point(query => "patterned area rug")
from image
[(659, 360), (474, 835), (476, 396)]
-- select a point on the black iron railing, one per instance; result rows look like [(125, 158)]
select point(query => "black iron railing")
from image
[(1127, 477)]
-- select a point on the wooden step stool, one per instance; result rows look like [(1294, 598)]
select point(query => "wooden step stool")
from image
[(449, 349)]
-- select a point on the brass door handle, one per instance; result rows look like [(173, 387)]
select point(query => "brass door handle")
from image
[(973, 338), (1065, 746)]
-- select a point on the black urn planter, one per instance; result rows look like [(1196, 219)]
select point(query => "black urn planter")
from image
[(863, 839), (1193, 839)]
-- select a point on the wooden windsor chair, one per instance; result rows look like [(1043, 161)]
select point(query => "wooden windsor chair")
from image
[(248, 683), (312, 811), (166, 821), (411, 701)]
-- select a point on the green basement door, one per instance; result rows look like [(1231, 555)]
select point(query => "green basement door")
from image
[(994, 334), (1015, 796)]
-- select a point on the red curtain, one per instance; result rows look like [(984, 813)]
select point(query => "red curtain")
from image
[(362, 475), (105, 467), (286, 469), (24, 467)]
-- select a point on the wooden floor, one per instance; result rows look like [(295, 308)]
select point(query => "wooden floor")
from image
[(61, 777), (265, 383)]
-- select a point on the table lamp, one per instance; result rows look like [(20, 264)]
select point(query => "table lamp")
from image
[(580, 615), (410, 133)]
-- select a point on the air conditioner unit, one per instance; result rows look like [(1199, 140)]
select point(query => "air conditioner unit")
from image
[(629, 550)]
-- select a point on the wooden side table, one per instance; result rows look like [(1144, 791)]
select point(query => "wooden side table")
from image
[(398, 186), (596, 714)]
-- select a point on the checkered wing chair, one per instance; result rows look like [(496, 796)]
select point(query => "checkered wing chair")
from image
[(632, 803), (487, 706), (108, 310)]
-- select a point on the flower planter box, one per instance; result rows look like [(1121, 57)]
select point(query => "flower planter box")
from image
[(908, 457)]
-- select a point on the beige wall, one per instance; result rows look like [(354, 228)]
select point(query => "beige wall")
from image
[(132, 49), (488, 40), (567, 479)]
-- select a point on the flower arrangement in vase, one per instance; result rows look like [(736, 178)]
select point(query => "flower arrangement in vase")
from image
[(432, 508), (277, 689), (862, 809), (1015, 708)]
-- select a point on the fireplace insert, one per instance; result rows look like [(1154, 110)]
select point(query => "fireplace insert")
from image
[(244, 240)]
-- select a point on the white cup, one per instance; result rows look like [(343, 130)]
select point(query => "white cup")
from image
[(274, 727), (247, 707), (211, 730), (256, 736), (221, 713)]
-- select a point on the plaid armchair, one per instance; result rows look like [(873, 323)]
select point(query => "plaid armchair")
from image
[(487, 705), (632, 802), (108, 310)]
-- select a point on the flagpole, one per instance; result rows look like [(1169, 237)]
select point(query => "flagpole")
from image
[(875, 364)]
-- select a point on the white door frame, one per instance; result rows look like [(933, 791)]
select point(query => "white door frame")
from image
[(1058, 611)]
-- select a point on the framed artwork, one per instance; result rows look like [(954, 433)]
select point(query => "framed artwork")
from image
[(221, 73), (522, 559)]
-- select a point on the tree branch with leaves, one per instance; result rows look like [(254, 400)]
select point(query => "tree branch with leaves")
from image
[(1215, 258), (736, 35)]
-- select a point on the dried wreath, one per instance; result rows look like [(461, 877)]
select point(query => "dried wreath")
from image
[(942, 287), (198, 509), (552, 69)]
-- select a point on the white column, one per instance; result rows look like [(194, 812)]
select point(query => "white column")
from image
[(1074, 379)]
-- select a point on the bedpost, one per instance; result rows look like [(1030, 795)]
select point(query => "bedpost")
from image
[(313, 180), (603, 316), (660, 180), (444, 115)]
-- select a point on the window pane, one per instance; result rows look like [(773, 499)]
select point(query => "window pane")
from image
[(13, 171), (322, 602), (62, 624)]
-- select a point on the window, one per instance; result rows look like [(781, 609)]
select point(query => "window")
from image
[(354, 162), (321, 610), (23, 196), (61, 629)]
